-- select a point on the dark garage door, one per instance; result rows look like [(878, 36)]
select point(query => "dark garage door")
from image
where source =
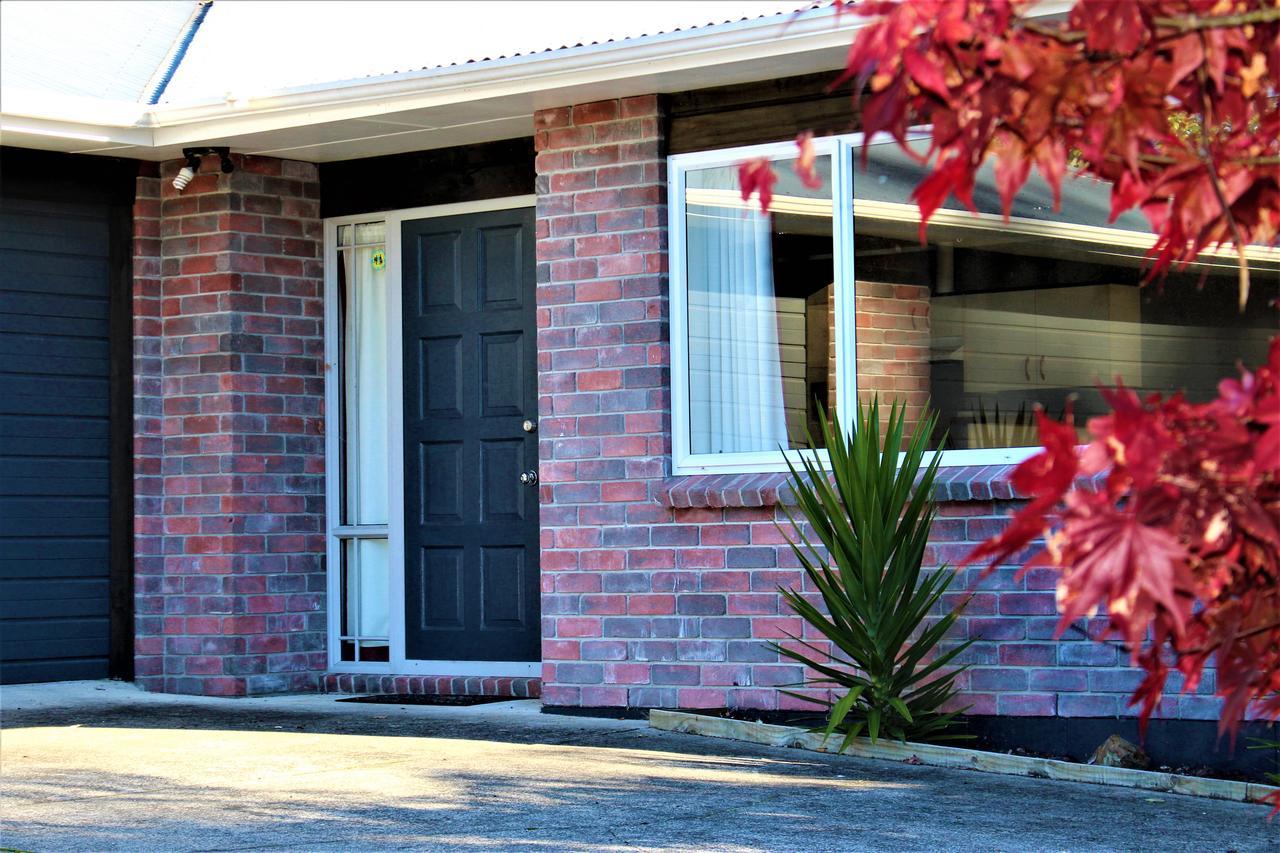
[(57, 270)]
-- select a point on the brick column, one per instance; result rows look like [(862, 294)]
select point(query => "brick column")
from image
[(603, 393), (893, 347), (229, 447)]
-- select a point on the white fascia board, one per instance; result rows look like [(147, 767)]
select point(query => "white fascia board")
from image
[(66, 122), (62, 135), (52, 106)]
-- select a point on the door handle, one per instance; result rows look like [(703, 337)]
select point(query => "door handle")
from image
[(529, 478), (1041, 368), (1026, 368), (529, 426)]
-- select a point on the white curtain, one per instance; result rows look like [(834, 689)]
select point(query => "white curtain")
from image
[(368, 615), (365, 413), (735, 375), (365, 378)]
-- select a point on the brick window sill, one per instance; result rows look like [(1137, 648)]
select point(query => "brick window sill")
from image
[(954, 484)]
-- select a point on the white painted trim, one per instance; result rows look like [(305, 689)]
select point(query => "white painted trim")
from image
[(395, 445), (394, 530), (678, 313), (839, 149), (434, 211), (846, 320), (332, 466)]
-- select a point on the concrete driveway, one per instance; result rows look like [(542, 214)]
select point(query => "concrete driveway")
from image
[(100, 766)]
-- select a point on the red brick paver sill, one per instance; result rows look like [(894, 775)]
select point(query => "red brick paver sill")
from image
[(957, 483), (433, 685)]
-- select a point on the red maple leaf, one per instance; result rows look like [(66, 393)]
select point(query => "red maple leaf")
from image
[(756, 177)]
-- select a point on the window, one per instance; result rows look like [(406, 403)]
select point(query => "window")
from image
[(832, 298), (363, 493), (760, 311)]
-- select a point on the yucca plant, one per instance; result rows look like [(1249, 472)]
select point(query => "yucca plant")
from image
[(870, 511), (1000, 429)]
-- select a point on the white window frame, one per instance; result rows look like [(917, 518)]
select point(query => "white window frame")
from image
[(840, 151), (843, 150), (394, 530)]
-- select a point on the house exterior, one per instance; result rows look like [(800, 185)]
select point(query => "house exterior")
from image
[(475, 379)]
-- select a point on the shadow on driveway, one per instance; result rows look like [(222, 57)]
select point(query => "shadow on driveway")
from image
[(151, 774)]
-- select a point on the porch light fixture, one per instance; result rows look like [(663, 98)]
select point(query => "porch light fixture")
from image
[(194, 155)]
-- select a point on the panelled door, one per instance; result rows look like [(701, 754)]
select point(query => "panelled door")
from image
[(470, 450)]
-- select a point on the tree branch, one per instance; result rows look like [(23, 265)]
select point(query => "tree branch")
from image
[(1215, 180), (1182, 26), (1245, 635), (1192, 23)]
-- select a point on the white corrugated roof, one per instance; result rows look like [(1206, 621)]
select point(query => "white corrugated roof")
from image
[(120, 50), (108, 50), (245, 47)]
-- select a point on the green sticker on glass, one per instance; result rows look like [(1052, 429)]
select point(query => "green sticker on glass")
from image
[(379, 260)]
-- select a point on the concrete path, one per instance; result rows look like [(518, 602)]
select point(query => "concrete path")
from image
[(100, 766)]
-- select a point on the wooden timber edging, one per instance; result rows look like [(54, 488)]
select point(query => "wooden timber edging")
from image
[(794, 737)]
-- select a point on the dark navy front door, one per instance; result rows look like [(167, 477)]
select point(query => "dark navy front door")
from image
[(470, 384)]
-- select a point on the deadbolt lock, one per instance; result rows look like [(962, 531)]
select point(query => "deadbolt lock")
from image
[(529, 478)]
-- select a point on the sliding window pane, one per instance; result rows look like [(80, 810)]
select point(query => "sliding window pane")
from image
[(761, 311), (988, 319)]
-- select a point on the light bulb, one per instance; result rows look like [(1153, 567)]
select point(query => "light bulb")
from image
[(184, 176)]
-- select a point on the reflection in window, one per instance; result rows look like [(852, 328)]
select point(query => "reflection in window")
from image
[(989, 319), (761, 309), (363, 427), (984, 321)]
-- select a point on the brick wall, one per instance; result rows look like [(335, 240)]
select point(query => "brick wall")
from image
[(657, 591), (228, 430), (893, 345), (663, 592), (1018, 668), (603, 400)]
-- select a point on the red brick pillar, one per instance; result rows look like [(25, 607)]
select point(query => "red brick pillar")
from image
[(603, 385), (229, 445)]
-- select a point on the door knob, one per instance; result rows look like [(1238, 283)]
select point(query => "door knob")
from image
[(529, 478), (529, 426)]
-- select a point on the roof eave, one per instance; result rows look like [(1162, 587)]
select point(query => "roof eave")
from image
[(510, 88)]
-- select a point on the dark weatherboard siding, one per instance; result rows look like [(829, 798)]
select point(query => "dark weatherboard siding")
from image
[(57, 270)]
